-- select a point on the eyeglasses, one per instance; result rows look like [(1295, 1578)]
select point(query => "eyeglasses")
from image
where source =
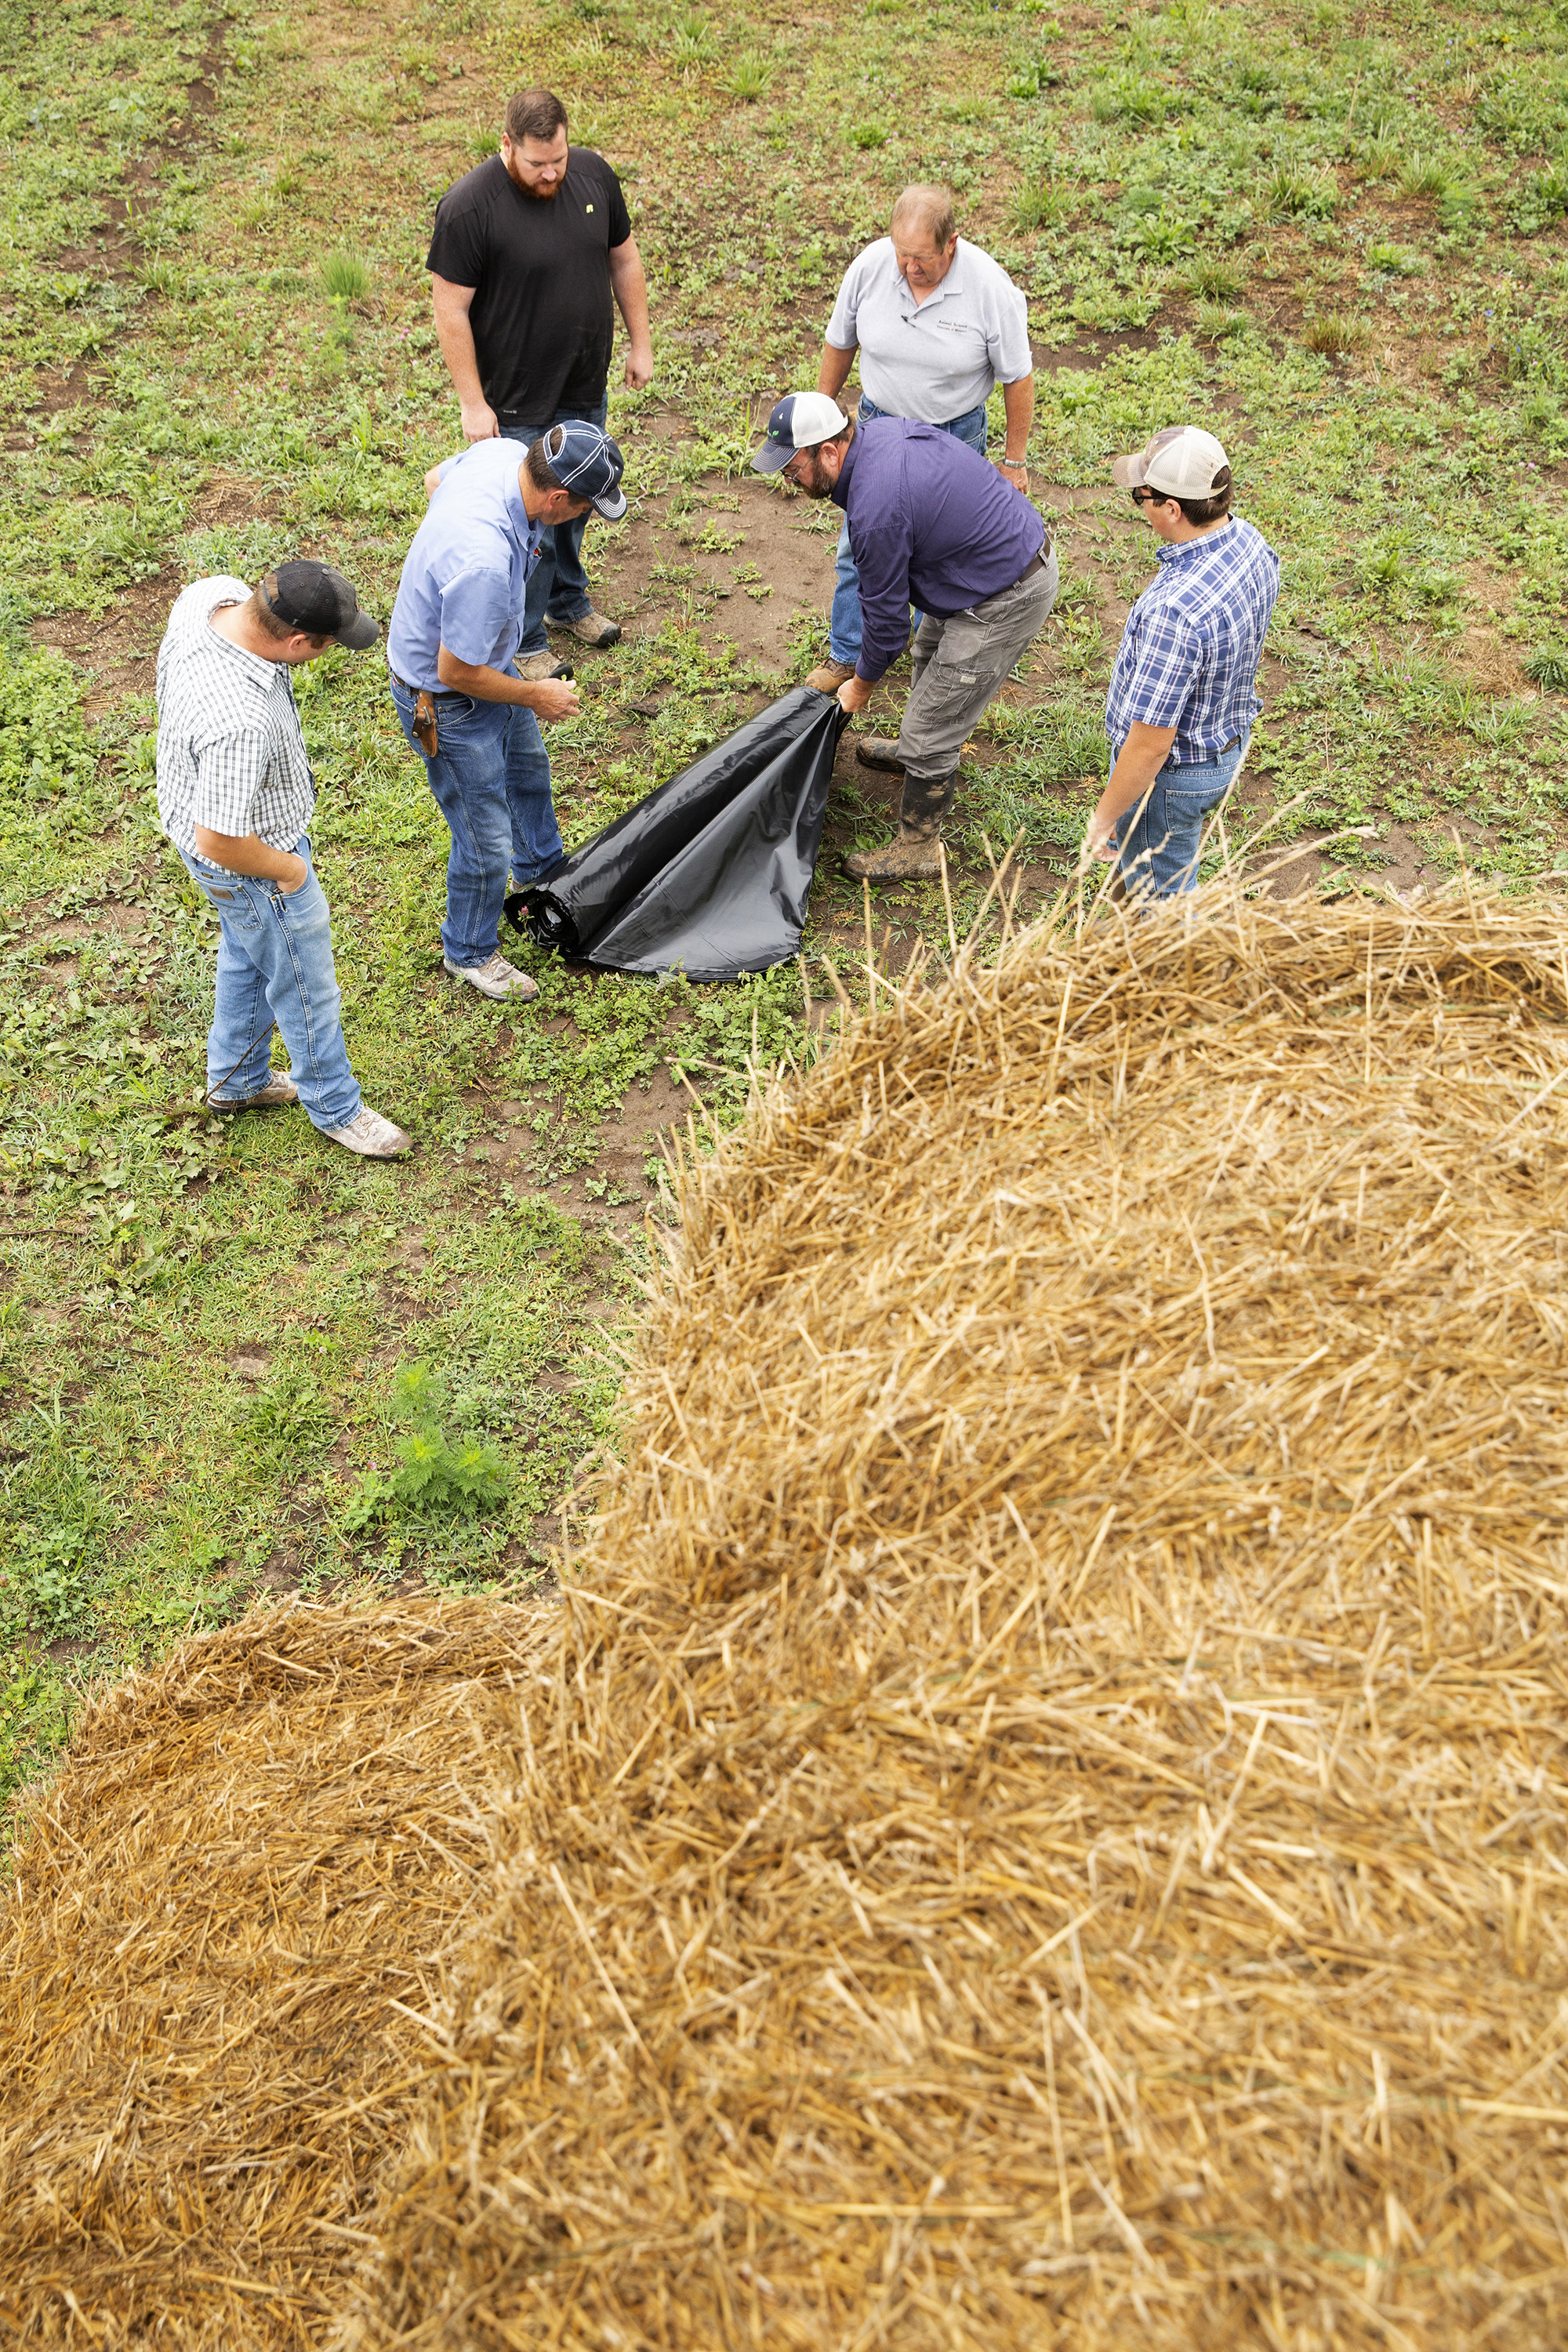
[(1144, 498)]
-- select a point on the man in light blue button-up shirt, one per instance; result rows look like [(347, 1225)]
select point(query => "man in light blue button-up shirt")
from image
[(451, 649)]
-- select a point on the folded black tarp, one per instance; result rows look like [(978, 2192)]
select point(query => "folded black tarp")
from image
[(709, 876)]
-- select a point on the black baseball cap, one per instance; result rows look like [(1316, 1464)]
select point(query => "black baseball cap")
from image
[(313, 597)]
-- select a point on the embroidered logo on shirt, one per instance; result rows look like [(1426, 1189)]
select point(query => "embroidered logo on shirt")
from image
[(587, 208)]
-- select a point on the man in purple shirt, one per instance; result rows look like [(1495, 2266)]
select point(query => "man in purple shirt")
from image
[(933, 525)]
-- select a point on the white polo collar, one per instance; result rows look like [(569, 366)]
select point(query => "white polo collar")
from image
[(950, 285)]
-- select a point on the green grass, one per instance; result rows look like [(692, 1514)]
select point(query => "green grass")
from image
[(206, 1333)]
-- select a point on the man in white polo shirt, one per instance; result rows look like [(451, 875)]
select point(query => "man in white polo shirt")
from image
[(938, 325)]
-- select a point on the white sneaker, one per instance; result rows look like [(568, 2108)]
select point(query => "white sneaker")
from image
[(497, 978), (373, 1136)]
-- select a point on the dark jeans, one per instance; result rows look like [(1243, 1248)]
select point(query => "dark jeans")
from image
[(491, 777), (558, 585)]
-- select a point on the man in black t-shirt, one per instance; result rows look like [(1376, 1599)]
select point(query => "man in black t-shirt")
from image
[(529, 255)]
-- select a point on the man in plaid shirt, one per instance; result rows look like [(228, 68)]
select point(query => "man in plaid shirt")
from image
[(1184, 692), (235, 796)]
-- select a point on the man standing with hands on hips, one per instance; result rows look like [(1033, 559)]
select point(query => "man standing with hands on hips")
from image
[(1183, 690), (462, 701), (529, 252), (938, 325)]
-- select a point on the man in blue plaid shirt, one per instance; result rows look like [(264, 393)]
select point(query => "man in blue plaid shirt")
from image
[(1184, 693)]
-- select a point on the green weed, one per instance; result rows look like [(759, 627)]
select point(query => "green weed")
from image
[(1548, 667), (1335, 333), (1215, 280), (1425, 175), (1539, 200), (344, 275), (691, 42), (1219, 323), (751, 75), (293, 1413), (1033, 78), (437, 1475), (1397, 260), (1298, 193), (1040, 204)]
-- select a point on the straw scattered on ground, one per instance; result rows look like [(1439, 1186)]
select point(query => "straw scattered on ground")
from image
[(1041, 1821)]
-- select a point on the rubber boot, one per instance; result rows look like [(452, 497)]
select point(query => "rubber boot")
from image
[(878, 752), (915, 855)]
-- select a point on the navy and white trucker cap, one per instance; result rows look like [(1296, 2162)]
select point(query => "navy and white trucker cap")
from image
[(799, 420), (587, 462)]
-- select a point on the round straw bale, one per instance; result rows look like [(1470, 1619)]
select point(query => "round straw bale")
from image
[(1041, 1820), (1050, 1823), (223, 1909)]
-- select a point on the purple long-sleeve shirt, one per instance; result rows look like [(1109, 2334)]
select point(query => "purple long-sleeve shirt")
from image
[(932, 524)]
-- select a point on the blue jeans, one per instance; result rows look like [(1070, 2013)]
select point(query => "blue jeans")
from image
[(558, 585), (844, 623), (491, 777), (275, 963), (1157, 850)]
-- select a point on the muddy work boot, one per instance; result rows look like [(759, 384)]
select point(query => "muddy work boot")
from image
[(591, 628), (277, 1091), (878, 752), (536, 667), (830, 676), (915, 853)]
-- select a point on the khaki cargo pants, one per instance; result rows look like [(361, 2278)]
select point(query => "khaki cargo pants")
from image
[(960, 666)]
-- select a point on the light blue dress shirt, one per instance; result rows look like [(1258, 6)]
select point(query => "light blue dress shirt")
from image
[(464, 577)]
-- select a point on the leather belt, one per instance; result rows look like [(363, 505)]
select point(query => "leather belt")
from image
[(436, 693), (1036, 563)]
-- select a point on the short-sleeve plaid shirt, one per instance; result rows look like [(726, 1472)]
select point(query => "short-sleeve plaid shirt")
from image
[(1189, 653), (231, 756)]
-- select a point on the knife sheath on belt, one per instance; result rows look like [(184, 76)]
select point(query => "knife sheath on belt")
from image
[(424, 724)]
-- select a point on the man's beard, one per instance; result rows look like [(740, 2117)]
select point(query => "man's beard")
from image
[(816, 484), (540, 195)]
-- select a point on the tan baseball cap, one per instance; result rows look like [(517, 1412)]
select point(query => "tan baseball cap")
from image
[(1181, 460)]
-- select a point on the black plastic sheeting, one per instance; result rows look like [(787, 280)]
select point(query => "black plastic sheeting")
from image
[(711, 874)]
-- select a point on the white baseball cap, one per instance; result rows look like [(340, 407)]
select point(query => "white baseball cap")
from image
[(799, 420), (1181, 460)]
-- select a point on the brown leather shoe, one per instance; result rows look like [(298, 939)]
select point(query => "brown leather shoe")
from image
[(277, 1091), (830, 676), (536, 667), (591, 628), (878, 752), (913, 855)]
